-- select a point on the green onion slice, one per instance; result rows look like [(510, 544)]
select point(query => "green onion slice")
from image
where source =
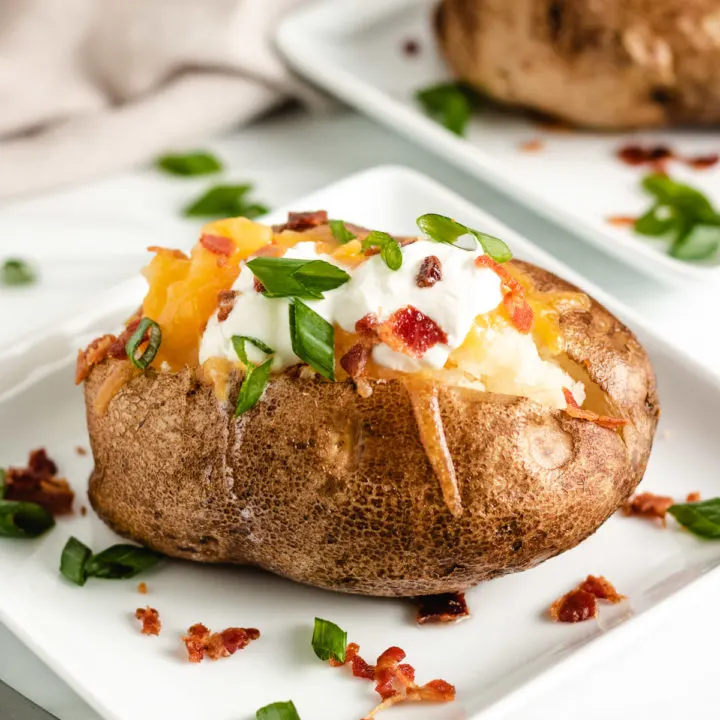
[(239, 341), (390, 250), (121, 561), (287, 277), (73, 561), (278, 711), (189, 164), (23, 519), (313, 338), (254, 384), (448, 104), (700, 518), (137, 338), (226, 201), (442, 229), (16, 272), (329, 641), (340, 232)]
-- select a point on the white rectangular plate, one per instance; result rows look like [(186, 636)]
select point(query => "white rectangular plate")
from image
[(90, 637), (354, 50)]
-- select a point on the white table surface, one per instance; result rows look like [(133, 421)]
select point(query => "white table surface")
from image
[(87, 238)]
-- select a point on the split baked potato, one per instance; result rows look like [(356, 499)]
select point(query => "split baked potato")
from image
[(594, 63), (339, 484)]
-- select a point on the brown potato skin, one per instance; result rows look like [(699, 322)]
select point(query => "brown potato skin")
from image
[(595, 63), (324, 487)]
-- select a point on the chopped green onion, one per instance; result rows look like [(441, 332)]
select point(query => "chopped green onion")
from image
[(700, 518), (254, 384), (23, 519), (442, 229), (278, 711), (448, 104), (16, 272), (226, 201), (340, 232), (287, 277), (122, 561), (313, 338), (73, 561), (390, 251), (137, 338), (189, 164), (239, 341), (329, 641)]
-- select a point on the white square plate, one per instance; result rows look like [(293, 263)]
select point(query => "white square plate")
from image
[(89, 635), (354, 49)]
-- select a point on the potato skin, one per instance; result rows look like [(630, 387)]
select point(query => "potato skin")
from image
[(595, 63), (324, 487)]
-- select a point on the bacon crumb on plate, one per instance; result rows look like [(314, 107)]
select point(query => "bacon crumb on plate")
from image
[(79, 450), (693, 497), (150, 619), (142, 588), (37, 483), (444, 608), (201, 642), (580, 603), (622, 220), (533, 145), (395, 680), (648, 505), (83, 510)]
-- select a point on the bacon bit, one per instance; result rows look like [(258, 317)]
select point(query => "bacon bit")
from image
[(534, 145), (226, 302), (80, 450), (300, 221), (83, 510), (270, 250), (581, 603), (117, 349), (604, 421), (200, 642), (258, 286), (637, 155), (702, 162), (218, 244), (355, 360), (150, 620), (411, 332), (395, 680), (430, 272), (602, 589), (693, 497), (37, 484), (445, 608), (647, 505), (411, 47), (93, 354), (517, 307), (142, 588), (402, 241), (367, 326), (621, 220)]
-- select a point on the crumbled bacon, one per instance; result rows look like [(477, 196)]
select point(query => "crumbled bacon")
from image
[(226, 302), (621, 220), (402, 241), (367, 326), (83, 510), (150, 619), (411, 332), (693, 497), (581, 603), (300, 221), (517, 307), (79, 450), (575, 411), (411, 47), (430, 272), (647, 505), (638, 155), (444, 608), (355, 360), (533, 145), (703, 162), (117, 349), (218, 244), (93, 354), (200, 642), (258, 286), (37, 484), (395, 680), (142, 588)]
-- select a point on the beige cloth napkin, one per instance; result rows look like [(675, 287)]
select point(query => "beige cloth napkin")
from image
[(90, 86)]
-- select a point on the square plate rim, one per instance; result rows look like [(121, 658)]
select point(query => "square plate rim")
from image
[(588, 653), (303, 23)]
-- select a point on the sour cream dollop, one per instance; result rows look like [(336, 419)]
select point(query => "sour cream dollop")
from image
[(464, 292)]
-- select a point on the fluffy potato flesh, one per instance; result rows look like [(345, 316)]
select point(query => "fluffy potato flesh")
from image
[(335, 490)]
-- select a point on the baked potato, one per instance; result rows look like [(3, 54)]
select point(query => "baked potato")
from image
[(594, 63), (381, 481)]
